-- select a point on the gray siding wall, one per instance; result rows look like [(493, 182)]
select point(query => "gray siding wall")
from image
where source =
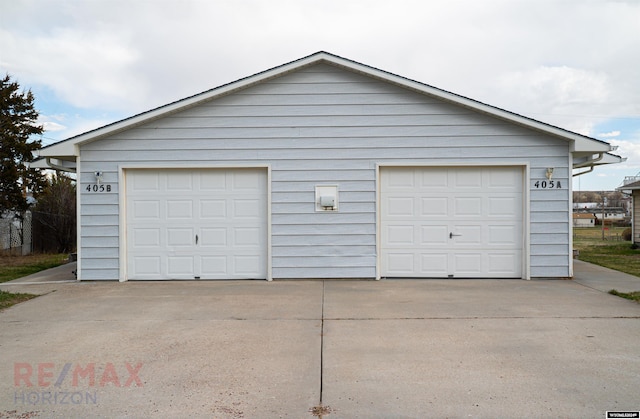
[(323, 125)]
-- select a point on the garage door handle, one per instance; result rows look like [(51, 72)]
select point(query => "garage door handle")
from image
[(451, 235), (196, 239)]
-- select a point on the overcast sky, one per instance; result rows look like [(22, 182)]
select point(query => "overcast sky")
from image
[(570, 63)]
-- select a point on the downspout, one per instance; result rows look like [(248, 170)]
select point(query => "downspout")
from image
[(584, 173), (591, 165)]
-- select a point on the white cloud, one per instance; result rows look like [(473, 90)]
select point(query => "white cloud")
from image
[(630, 150), (540, 59), (84, 69), (50, 126), (52, 123), (611, 134), (560, 95), (82, 125)]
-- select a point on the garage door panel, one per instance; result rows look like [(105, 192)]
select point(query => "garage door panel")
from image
[(467, 206), (247, 208), (400, 235), (213, 266), (180, 237), (147, 265), (247, 236), (181, 266), (465, 215), (202, 219), (502, 179), (466, 179), (247, 265), (144, 182), (213, 180), (465, 235), (503, 235), (434, 207), (468, 264), (243, 180), (213, 237), (400, 207), (146, 237), (181, 181), (400, 179), (508, 206), (436, 179), (146, 210), (501, 264), (213, 209), (180, 209), (434, 265), (400, 263), (434, 235)]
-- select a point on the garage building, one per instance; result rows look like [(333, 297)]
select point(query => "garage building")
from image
[(325, 168)]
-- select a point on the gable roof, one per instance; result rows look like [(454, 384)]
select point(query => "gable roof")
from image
[(68, 149), (631, 186)]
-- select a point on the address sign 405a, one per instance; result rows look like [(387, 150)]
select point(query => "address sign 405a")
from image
[(547, 184)]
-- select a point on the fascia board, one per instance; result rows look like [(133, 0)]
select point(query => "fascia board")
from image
[(63, 148)]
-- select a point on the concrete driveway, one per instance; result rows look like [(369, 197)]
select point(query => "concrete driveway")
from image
[(336, 349)]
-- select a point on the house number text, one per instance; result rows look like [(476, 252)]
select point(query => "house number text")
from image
[(547, 184), (98, 188)]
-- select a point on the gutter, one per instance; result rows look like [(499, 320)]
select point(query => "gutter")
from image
[(591, 164), (58, 167)]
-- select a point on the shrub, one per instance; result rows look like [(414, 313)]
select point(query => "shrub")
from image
[(626, 234)]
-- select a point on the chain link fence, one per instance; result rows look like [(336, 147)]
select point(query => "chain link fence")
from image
[(16, 235)]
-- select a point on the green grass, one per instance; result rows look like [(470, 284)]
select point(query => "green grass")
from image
[(634, 296), (610, 253), (13, 267), (617, 255), (7, 299)]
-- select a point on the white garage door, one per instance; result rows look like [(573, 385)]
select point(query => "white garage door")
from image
[(444, 222), (196, 224)]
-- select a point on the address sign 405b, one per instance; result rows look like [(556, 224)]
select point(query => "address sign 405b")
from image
[(98, 188)]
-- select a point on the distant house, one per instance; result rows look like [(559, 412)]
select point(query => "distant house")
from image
[(584, 220), (612, 214), (325, 168), (632, 186)]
